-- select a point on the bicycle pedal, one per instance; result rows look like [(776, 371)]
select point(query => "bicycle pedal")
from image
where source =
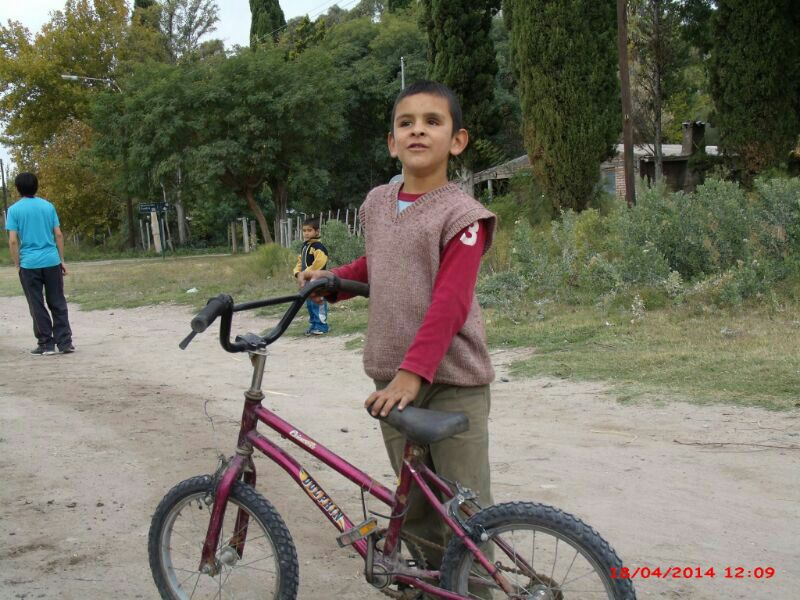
[(357, 533)]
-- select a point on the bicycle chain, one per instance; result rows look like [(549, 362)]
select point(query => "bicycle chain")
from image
[(418, 541), (409, 539)]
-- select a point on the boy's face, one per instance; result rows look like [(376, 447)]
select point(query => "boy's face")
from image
[(309, 233), (422, 135)]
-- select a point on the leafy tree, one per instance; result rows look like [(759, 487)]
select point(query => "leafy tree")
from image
[(184, 22), (260, 119), (145, 39), (461, 55), (564, 57), (506, 143), (84, 39), (659, 55), (374, 9), (755, 79), (696, 27), (76, 182), (395, 5), (266, 21), (302, 33), (366, 55)]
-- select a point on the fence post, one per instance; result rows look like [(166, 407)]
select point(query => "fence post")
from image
[(234, 237), (154, 224), (245, 237), (253, 236)]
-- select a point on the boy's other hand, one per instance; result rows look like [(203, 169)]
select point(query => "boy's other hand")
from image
[(306, 276), (402, 391)]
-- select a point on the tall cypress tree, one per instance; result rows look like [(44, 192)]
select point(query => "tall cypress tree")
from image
[(461, 55), (754, 74), (266, 19), (564, 57)]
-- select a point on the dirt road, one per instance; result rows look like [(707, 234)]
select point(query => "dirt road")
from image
[(90, 442)]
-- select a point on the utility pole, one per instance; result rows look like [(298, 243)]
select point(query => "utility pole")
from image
[(627, 110), (402, 73)]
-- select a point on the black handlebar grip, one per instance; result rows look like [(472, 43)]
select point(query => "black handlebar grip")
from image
[(354, 288), (214, 308)]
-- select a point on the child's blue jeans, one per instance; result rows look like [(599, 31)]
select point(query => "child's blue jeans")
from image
[(317, 316)]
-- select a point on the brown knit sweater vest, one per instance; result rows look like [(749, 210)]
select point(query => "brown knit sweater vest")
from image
[(403, 252)]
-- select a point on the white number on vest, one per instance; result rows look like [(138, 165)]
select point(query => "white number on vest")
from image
[(470, 236)]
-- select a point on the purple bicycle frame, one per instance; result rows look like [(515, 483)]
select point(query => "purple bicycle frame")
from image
[(413, 470)]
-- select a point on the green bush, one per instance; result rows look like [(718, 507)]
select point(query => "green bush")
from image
[(778, 213), (719, 245), (342, 247), (273, 260), (500, 290)]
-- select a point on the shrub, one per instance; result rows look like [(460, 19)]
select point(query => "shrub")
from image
[(778, 213), (500, 290), (275, 261), (342, 247), (719, 245)]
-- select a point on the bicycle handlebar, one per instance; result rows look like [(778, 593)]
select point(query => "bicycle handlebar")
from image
[(223, 306), (210, 312)]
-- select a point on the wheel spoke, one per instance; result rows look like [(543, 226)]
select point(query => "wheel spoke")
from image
[(178, 534), (579, 560)]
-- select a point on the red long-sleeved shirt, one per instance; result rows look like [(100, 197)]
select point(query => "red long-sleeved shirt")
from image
[(451, 299)]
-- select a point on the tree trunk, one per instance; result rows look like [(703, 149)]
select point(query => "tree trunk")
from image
[(280, 196), (259, 214), (181, 214), (131, 226)]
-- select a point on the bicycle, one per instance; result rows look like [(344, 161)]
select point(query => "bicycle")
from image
[(216, 536)]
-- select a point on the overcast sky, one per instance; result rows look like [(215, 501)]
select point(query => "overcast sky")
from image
[(233, 27)]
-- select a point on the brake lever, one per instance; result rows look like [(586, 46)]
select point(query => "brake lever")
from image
[(187, 340)]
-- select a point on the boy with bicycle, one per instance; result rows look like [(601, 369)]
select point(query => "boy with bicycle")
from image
[(425, 342)]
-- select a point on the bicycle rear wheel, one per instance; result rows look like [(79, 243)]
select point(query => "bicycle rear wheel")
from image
[(267, 568), (546, 554)]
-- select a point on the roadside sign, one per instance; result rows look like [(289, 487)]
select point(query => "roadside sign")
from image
[(147, 208)]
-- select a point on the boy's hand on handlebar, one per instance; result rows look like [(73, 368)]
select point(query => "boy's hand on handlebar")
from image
[(306, 276), (402, 391)]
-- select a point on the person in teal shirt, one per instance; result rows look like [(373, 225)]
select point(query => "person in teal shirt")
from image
[(37, 249)]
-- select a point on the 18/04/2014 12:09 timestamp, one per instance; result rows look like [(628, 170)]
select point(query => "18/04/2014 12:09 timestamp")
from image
[(673, 572)]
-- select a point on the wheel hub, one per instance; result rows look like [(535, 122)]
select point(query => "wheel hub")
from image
[(228, 556), (540, 592)]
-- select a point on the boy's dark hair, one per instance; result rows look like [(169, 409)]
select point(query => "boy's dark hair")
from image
[(27, 184), (425, 86), (311, 222)]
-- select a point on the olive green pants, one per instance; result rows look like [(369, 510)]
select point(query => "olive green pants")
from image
[(463, 458)]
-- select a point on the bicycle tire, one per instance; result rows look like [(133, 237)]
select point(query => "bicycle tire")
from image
[(266, 532), (549, 523)]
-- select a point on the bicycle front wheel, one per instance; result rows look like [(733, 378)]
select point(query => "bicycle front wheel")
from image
[(545, 554), (266, 569)]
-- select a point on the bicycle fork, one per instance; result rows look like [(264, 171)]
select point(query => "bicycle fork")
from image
[(228, 473)]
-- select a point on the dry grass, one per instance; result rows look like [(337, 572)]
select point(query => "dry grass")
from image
[(747, 355)]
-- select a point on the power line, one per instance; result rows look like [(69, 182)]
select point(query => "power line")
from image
[(316, 12)]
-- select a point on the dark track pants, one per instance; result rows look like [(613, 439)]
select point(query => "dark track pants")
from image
[(48, 331)]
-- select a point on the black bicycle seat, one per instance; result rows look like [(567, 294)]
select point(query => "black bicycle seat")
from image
[(424, 426)]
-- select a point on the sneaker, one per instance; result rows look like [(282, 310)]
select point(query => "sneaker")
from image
[(42, 351), (317, 332), (68, 349)]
